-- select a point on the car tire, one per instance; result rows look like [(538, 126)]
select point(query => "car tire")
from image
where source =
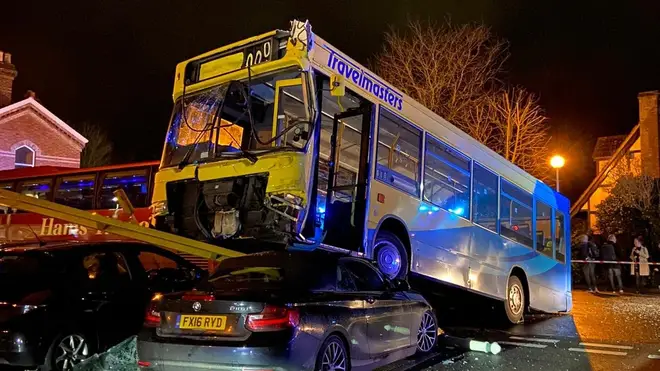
[(332, 355), (79, 346), (391, 255), (514, 303), (427, 333)]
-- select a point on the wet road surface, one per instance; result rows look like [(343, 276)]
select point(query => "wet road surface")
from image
[(603, 332)]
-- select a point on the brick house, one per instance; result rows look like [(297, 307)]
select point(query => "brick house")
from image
[(31, 135), (638, 151)]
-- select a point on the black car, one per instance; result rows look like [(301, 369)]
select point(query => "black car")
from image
[(288, 311), (61, 302)]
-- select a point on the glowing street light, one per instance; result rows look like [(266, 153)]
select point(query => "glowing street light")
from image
[(557, 162)]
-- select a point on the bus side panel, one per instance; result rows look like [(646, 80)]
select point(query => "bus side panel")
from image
[(439, 239), (488, 268), (494, 259), (451, 249)]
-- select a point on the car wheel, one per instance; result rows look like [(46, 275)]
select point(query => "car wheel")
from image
[(390, 255), (333, 355), (427, 334), (67, 351), (514, 305)]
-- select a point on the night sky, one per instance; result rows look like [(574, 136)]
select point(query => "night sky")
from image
[(112, 62)]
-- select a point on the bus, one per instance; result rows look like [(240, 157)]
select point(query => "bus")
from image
[(283, 140), (86, 189)]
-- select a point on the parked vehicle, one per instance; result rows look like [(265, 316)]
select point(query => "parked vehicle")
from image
[(288, 310), (62, 302)]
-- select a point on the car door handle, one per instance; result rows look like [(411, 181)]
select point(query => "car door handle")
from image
[(371, 300)]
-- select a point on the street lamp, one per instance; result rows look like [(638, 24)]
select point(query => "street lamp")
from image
[(557, 162)]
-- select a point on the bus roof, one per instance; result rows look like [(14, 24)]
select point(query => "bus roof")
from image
[(44, 171)]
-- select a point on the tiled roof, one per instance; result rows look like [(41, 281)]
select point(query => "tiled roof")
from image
[(606, 146)]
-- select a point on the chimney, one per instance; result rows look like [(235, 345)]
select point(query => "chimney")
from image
[(7, 75), (649, 133)]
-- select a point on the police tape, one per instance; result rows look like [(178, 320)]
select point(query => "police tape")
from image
[(611, 262)]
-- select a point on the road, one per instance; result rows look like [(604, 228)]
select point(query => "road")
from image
[(603, 332)]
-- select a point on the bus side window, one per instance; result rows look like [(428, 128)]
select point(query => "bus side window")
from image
[(399, 150), (544, 243), (447, 178), (560, 242), (7, 186), (516, 214), (38, 188), (76, 191), (133, 182), (484, 197)]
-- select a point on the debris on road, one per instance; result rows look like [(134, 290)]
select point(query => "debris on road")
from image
[(470, 344)]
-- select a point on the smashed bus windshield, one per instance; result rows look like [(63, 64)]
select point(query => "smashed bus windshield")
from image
[(208, 128)]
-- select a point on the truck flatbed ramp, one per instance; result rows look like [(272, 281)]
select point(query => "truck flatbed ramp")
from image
[(125, 229)]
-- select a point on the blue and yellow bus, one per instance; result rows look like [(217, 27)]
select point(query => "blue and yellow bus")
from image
[(282, 139)]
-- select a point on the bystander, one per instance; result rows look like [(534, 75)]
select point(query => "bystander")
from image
[(589, 251), (640, 267), (608, 253)]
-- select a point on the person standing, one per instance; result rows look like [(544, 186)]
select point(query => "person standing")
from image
[(640, 258), (589, 251), (608, 252)]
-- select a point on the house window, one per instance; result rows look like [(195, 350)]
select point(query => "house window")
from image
[(24, 157)]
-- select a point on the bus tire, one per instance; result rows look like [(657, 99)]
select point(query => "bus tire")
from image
[(391, 255), (514, 303)]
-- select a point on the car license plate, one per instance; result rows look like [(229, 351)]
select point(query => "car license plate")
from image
[(197, 322)]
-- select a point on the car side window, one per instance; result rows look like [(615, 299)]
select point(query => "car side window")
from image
[(153, 261), (344, 280), (364, 277), (105, 269)]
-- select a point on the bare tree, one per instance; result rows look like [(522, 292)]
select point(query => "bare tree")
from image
[(98, 151), (635, 190), (454, 70), (520, 130)]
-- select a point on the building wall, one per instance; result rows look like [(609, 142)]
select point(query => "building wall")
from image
[(27, 128), (630, 164)]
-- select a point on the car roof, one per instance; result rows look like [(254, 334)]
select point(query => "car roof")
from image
[(314, 259)]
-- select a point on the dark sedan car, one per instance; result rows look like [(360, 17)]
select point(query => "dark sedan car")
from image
[(61, 302), (287, 311)]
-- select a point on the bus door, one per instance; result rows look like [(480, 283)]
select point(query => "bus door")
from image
[(346, 192)]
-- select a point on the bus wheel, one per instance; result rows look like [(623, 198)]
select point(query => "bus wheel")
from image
[(514, 304), (390, 255)]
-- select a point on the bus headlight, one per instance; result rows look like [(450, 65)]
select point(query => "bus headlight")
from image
[(159, 208)]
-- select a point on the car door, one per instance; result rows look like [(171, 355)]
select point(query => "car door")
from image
[(389, 315), (352, 305), (107, 283)]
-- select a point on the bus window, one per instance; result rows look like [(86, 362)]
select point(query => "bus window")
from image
[(484, 197), (447, 178), (544, 243), (8, 186), (76, 191), (515, 214), (398, 150), (559, 237), (134, 182), (39, 188)]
